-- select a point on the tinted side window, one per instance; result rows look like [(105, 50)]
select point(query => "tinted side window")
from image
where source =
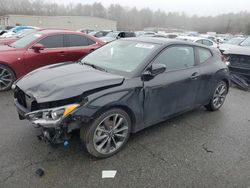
[(129, 34), (177, 57), (99, 34), (77, 40), (204, 54), (122, 35), (90, 42), (207, 43), (55, 41)]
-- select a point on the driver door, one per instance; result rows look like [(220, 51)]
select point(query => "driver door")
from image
[(53, 52), (175, 90)]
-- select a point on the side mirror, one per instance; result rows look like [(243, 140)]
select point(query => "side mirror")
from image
[(37, 47), (157, 69), (153, 71)]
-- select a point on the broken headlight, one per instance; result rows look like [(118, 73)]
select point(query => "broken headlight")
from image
[(50, 117)]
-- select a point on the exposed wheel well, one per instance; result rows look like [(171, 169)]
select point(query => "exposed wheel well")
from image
[(227, 82)]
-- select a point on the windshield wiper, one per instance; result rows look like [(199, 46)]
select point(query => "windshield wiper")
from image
[(95, 66)]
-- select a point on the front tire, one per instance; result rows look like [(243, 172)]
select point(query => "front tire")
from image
[(107, 134), (219, 96), (7, 78)]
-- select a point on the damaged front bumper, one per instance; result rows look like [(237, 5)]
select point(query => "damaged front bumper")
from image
[(56, 123), (50, 118)]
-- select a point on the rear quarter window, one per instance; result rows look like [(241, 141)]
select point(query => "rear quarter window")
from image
[(91, 41), (207, 43), (204, 54), (78, 40)]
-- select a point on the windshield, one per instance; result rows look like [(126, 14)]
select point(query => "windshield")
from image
[(246, 42), (120, 56), (25, 41), (112, 34), (235, 41), (93, 33), (24, 32)]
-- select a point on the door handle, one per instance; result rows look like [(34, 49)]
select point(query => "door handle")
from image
[(62, 53), (194, 76), (91, 50)]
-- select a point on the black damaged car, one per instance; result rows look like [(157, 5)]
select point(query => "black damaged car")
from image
[(121, 88)]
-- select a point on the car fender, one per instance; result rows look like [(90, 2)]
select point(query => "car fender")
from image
[(99, 103), (220, 75)]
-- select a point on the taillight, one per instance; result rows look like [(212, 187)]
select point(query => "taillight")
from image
[(225, 59)]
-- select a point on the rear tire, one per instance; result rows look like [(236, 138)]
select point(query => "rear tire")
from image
[(107, 134), (219, 97), (7, 78)]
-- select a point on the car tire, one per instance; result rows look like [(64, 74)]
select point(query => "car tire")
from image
[(219, 96), (7, 78), (107, 134)]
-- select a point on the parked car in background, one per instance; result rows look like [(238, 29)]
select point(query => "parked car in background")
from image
[(23, 33), (15, 30), (211, 36), (144, 33), (235, 40), (15, 37), (171, 35), (159, 36), (86, 31), (162, 35), (99, 34), (42, 48), (4, 29), (200, 40), (121, 88), (239, 57), (230, 43), (116, 35)]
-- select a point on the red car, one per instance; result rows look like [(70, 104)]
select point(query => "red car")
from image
[(40, 49)]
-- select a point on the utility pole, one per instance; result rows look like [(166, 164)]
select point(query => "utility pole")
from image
[(228, 25)]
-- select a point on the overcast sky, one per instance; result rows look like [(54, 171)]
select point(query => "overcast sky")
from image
[(199, 7)]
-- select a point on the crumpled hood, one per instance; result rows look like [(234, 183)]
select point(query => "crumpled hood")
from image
[(236, 49), (65, 80)]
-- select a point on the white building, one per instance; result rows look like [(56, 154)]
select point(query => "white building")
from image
[(65, 22)]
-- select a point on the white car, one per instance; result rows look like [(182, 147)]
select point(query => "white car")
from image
[(239, 57), (231, 43), (200, 40)]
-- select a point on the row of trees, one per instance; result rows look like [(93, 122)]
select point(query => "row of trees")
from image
[(132, 18)]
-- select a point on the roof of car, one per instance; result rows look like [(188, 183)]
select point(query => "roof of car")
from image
[(193, 38), (52, 31), (154, 40)]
